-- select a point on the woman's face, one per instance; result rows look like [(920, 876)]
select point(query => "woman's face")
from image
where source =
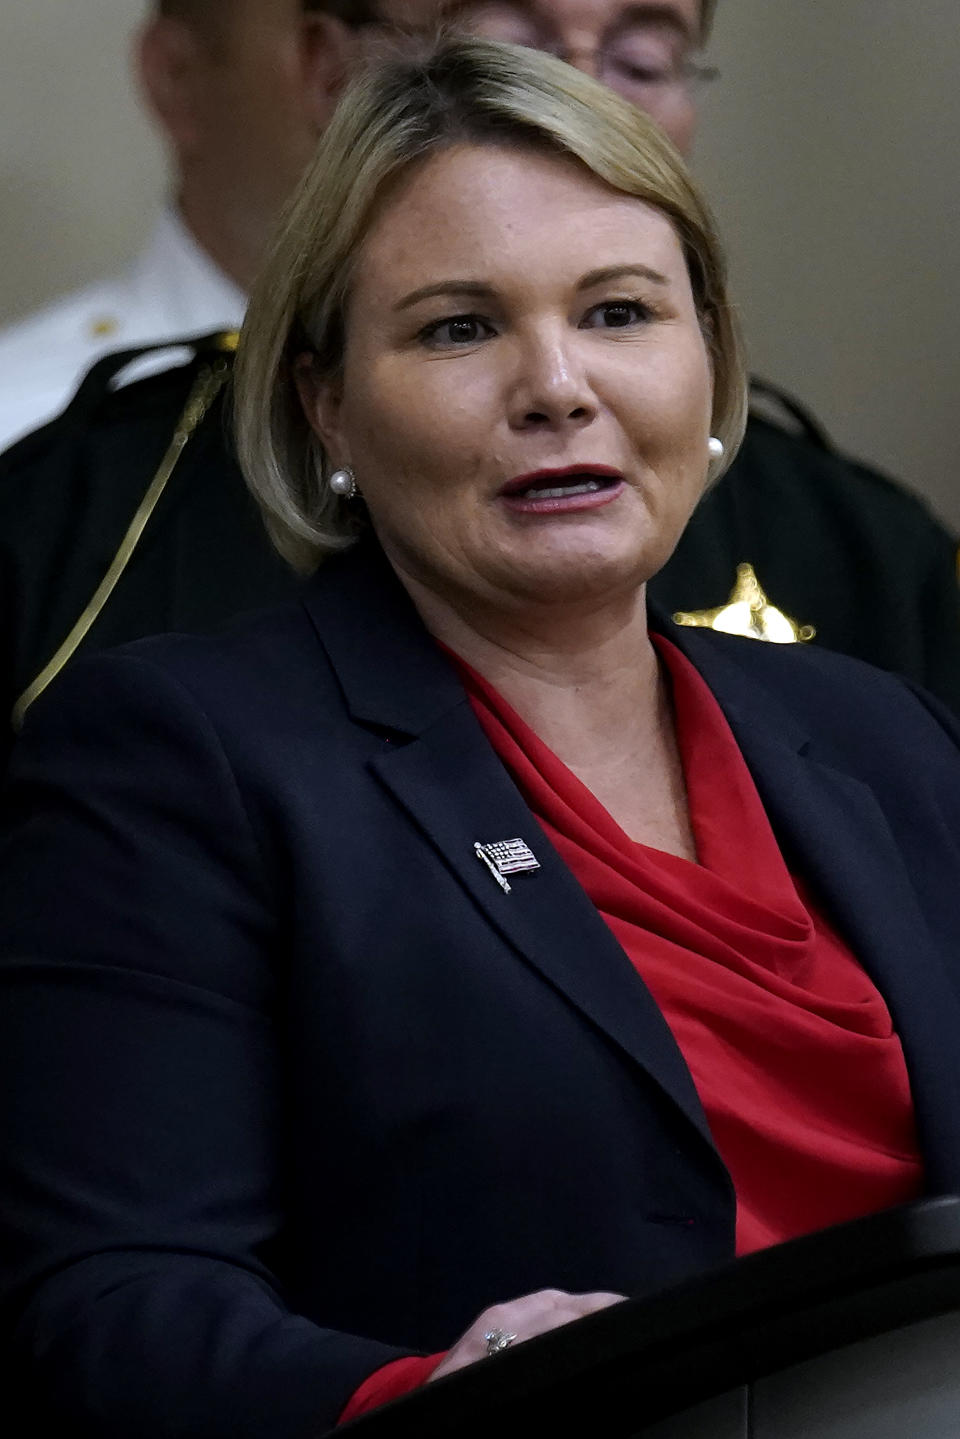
[(526, 393)]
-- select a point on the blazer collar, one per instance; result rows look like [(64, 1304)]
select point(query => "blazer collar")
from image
[(750, 707), (391, 672)]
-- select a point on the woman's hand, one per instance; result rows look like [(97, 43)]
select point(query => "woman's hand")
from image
[(533, 1314)]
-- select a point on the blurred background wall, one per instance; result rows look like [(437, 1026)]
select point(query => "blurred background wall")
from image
[(81, 175), (831, 148)]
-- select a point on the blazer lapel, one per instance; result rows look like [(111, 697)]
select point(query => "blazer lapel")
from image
[(457, 793), (832, 828)]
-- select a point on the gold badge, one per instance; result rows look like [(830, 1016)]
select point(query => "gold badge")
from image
[(749, 613)]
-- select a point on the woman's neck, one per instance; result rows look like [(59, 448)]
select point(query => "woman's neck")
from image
[(558, 667), (590, 686)]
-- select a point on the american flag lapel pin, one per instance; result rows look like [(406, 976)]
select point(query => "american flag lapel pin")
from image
[(506, 856)]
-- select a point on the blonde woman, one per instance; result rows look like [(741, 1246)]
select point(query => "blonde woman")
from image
[(459, 933)]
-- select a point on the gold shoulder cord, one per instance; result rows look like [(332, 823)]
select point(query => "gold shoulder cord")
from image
[(207, 386)]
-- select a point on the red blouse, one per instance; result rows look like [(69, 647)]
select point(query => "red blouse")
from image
[(790, 1044)]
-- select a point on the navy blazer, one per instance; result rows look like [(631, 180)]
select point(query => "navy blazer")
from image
[(293, 1085)]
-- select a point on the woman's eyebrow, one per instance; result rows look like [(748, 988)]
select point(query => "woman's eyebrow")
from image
[(480, 289), (445, 287), (619, 272)]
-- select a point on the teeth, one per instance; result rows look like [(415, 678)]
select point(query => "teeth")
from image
[(585, 487)]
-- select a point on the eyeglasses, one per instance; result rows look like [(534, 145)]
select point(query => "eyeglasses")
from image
[(644, 68), (637, 79)]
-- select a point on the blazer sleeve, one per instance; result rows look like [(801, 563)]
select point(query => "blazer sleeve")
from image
[(142, 1075)]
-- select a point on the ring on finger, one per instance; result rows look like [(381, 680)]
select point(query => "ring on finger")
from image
[(496, 1340)]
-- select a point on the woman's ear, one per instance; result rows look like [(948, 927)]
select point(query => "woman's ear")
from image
[(321, 400)]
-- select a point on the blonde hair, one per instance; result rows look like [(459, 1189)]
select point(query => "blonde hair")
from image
[(392, 116)]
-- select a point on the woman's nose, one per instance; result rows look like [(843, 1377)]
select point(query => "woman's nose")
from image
[(552, 388)]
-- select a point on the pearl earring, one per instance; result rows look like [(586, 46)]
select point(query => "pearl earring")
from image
[(715, 448), (343, 483)]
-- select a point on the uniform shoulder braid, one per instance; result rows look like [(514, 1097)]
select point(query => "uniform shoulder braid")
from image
[(126, 516)]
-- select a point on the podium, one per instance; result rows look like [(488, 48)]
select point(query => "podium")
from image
[(851, 1333)]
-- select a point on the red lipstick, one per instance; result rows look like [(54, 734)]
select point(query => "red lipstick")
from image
[(563, 490)]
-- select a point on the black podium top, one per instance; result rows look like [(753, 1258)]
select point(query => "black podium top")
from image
[(608, 1374)]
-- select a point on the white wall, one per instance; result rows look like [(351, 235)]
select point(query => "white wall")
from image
[(831, 148), (81, 173), (832, 151)]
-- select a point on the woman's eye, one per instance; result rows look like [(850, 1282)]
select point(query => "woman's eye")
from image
[(616, 315), (458, 330)]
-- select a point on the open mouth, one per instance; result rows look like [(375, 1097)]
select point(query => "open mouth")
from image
[(554, 491), (562, 484), (588, 485)]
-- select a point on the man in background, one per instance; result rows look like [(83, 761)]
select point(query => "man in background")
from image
[(645, 51), (128, 514), (239, 90)]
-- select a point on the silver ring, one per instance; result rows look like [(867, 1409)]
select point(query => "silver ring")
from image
[(497, 1339)]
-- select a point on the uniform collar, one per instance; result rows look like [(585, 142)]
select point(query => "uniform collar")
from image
[(175, 278)]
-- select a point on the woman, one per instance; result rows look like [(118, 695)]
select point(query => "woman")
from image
[(455, 936)]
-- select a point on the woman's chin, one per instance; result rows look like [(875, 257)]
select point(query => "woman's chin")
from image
[(584, 556), (573, 578)]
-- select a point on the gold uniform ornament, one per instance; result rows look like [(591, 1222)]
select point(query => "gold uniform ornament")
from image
[(749, 613)]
